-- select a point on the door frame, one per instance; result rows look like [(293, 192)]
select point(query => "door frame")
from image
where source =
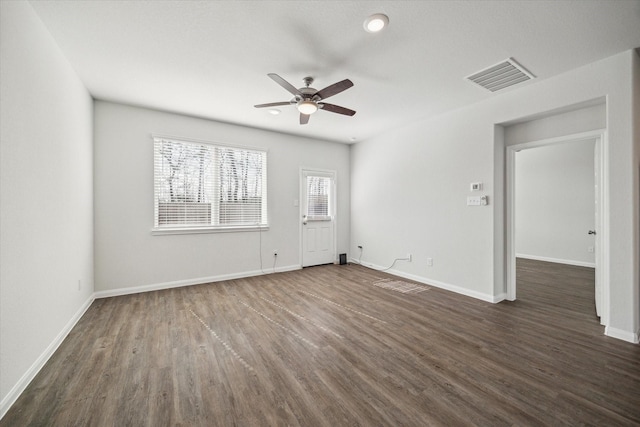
[(332, 202), (602, 228)]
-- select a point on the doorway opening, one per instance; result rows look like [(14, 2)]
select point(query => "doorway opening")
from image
[(597, 234)]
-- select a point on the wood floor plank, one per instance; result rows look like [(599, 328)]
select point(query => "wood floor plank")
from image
[(323, 346)]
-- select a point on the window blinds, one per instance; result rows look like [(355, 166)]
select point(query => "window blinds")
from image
[(208, 186), (318, 197)]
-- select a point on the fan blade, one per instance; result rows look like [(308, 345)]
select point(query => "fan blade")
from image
[(304, 119), (273, 104), (336, 109), (285, 84), (334, 89)]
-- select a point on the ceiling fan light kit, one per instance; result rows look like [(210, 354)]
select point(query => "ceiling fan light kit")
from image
[(307, 107), (308, 100)]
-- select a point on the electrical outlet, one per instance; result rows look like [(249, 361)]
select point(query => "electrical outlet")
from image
[(409, 257), (430, 262)]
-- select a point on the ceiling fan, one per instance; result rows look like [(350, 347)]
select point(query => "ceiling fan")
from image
[(309, 100)]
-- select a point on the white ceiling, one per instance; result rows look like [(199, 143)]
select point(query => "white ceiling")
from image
[(211, 58)]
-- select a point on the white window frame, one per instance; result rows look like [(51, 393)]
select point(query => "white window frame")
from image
[(213, 227)]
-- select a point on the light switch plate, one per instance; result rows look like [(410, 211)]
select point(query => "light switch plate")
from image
[(474, 201)]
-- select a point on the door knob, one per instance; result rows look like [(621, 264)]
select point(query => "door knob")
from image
[(592, 231)]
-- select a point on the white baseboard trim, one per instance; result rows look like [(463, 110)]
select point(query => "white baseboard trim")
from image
[(190, 282), (28, 376), (435, 283), (557, 260), (620, 334)]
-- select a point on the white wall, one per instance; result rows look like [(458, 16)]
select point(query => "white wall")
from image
[(128, 257), (409, 188), (555, 203), (46, 239), (636, 178), (567, 121)]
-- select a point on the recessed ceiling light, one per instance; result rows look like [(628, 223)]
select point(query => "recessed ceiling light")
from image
[(376, 23), (274, 111)]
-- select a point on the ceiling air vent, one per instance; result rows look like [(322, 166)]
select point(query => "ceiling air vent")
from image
[(502, 75)]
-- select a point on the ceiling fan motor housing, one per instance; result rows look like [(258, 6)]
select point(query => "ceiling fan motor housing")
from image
[(307, 94)]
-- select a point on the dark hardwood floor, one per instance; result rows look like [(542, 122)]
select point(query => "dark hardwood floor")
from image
[(325, 347)]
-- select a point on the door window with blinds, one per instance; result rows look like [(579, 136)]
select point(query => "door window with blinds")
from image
[(202, 186), (318, 198)]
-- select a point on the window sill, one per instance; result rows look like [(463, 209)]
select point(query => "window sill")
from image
[(204, 230)]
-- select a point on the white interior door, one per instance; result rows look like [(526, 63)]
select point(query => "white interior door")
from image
[(318, 217), (597, 231)]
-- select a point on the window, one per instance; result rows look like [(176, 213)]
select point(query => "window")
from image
[(318, 198), (209, 187)]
